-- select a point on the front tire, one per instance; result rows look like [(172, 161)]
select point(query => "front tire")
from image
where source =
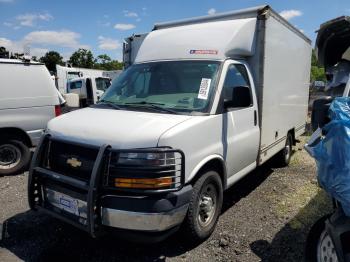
[(204, 207), (14, 156)]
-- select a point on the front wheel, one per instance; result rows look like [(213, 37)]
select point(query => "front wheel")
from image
[(326, 249), (204, 207), (14, 157)]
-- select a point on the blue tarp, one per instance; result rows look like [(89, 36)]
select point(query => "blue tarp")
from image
[(332, 153)]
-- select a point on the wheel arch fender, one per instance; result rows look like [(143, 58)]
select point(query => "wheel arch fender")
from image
[(16, 133), (213, 162)]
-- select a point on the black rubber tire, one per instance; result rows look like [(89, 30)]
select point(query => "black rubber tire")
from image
[(191, 228), (281, 159), (24, 160), (313, 237)]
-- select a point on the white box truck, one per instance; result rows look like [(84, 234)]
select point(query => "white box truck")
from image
[(203, 103)]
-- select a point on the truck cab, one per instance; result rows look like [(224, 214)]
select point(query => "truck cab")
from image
[(89, 89), (187, 118)]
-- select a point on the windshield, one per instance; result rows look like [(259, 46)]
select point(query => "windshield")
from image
[(182, 86)]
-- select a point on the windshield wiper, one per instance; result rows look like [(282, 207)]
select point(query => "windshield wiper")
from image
[(153, 105), (108, 103)]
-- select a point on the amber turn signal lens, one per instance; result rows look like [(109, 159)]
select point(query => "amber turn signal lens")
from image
[(143, 183)]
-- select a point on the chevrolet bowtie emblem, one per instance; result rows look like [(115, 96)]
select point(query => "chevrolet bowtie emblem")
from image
[(73, 162)]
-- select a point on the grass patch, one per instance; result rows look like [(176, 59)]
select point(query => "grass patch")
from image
[(309, 200)]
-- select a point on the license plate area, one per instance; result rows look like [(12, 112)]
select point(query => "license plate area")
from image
[(67, 203)]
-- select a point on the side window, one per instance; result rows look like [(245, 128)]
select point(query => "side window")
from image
[(102, 83), (76, 85), (237, 80)]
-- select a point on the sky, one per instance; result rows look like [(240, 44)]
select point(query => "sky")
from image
[(101, 26)]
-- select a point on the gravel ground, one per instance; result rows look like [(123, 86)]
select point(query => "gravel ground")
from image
[(265, 217)]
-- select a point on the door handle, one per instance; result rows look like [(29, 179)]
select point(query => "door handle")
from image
[(255, 118)]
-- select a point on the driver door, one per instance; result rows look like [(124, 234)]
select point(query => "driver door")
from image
[(240, 120)]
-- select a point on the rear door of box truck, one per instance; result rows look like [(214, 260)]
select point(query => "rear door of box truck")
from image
[(285, 85)]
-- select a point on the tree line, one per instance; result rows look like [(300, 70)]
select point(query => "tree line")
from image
[(80, 58), (85, 59)]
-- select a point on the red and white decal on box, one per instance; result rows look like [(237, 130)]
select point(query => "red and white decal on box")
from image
[(204, 52)]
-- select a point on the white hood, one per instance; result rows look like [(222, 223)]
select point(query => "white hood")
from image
[(118, 128)]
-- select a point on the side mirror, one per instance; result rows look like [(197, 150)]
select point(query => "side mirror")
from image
[(319, 116), (241, 97)]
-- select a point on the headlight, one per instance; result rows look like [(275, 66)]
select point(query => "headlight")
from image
[(146, 170), (149, 159)]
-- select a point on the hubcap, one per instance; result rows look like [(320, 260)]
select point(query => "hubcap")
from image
[(207, 205), (10, 156), (325, 249)]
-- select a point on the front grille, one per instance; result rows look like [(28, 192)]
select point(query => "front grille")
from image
[(69, 159)]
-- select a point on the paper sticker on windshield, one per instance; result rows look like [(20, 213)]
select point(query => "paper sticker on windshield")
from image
[(204, 88)]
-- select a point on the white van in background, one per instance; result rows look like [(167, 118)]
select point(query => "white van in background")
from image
[(28, 100)]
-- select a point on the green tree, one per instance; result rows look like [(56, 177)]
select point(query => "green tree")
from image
[(4, 53), (82, 58), (103, 59), (104, 62), (51, 59), (317, 72)]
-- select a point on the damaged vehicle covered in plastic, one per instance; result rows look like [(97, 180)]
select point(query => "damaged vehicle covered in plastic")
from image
[(330, 145)]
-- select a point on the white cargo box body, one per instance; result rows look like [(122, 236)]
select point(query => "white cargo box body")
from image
[(279, 56)]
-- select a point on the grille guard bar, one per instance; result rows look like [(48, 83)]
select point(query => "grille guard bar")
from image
[(92, 188)]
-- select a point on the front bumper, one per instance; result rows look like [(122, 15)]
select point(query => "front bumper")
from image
[(146, 222), (138, 213), (153, 213)]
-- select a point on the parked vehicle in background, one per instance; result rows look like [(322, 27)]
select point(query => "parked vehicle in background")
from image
[(89, 89), (329, 237), (65, 74), (333, 53), (188, 118), (28, 100)]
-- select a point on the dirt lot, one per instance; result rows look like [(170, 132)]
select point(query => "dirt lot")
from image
[(266, 217)]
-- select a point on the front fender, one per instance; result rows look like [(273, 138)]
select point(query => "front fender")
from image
[(205, 161)]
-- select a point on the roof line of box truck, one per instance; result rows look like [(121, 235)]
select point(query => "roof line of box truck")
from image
[(238, 14)]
